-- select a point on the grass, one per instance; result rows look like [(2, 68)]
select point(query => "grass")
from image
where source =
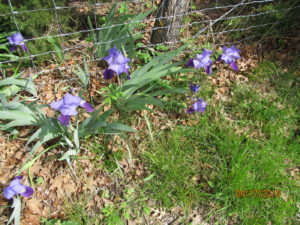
[(250, 142), (252, 151)]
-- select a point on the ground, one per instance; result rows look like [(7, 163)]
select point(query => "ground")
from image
[(246, 140), (177, 168)]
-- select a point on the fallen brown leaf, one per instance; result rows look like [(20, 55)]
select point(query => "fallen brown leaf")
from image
[(34, 206)]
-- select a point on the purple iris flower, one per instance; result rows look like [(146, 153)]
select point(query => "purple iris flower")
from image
[(117, 63), (229, 56), (15, 187), (68, 105), (15, 40), (202, 61), (194, 87), (198, 106)]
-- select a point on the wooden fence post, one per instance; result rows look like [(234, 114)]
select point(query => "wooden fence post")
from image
[(169, 8)]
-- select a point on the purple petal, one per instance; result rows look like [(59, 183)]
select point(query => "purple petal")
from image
[(12, 48), (196, 63), (17, 38), (121, 59), (207, 52), (15, 187), (226, 58), (126, 71), (88, 107), (68, 110), (194, 88), (108, 74), (8, 193), (113, 51), (64, 120), (117, 63), (68, 105), (226, 50), (226, 55), (28, 191), (204, 56), (208, 69), (200, 105), (234, 66), (11, 40), (190, 110), (235, 52), (108, 59), (203, 60), (118, 68), (71, 100), (56, 105), (230, 54), (190, 63)]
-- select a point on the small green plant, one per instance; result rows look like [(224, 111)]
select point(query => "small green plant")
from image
[(19, 113), (143, 54), (112, 216), (83, 75), (57, 222), (12, 85), (57, 49), (111, 94), (123, 8), (162, 48)]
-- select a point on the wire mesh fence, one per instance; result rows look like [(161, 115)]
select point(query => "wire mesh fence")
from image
[(217, 23)]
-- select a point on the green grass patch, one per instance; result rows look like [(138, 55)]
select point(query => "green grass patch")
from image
[(253, 151)]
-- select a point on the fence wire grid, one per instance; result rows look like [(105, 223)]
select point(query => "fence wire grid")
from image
[(218, 23)]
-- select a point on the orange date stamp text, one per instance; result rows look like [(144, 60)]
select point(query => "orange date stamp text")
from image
[(257, 193)]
